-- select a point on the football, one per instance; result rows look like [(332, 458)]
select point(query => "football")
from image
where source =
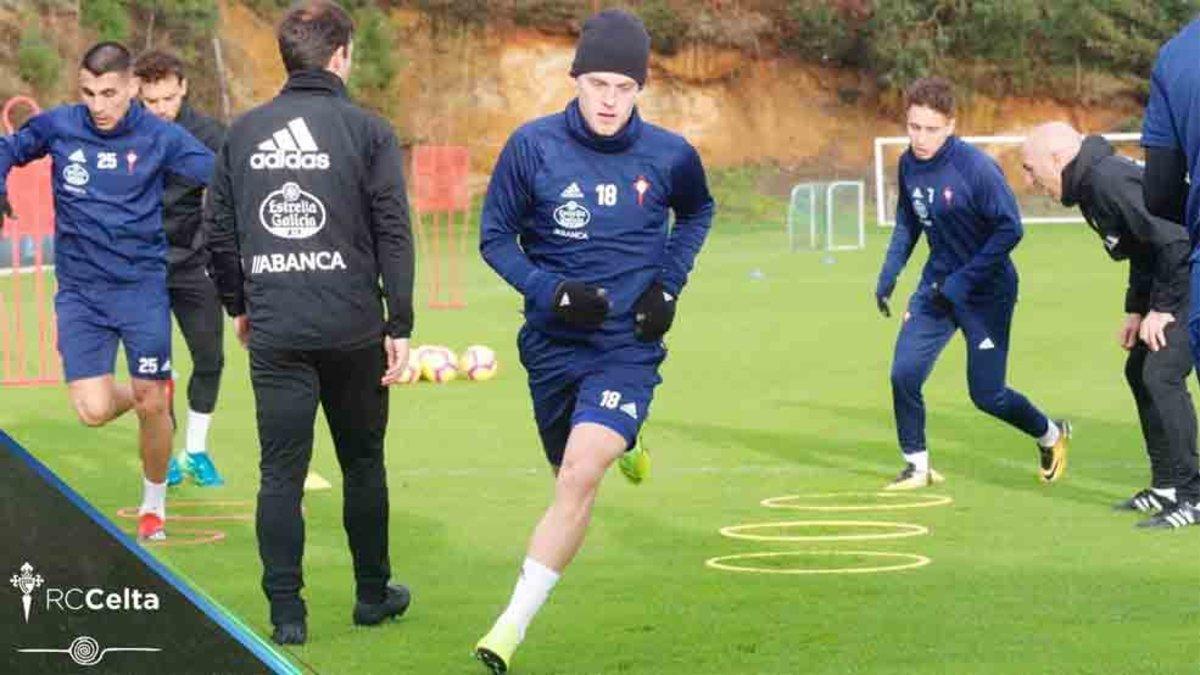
[(478, 363), (437, 364)]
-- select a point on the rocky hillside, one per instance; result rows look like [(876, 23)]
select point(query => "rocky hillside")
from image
[(473, 84)]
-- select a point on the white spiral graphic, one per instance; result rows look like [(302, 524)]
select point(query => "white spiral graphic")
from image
[(85, 651)]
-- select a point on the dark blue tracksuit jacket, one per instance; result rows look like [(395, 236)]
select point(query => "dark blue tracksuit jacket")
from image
[(961, 202), (566, 204), (108, 188), (1172, 121)]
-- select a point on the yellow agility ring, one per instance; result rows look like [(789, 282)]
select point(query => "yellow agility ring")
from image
[(905, 561), (888, 501), (892, 530)]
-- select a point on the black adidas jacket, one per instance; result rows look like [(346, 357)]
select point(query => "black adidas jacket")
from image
[(308, 213), (1108, 189), (182, 199)]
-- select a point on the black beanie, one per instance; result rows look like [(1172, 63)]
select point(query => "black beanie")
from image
[(613, 41)]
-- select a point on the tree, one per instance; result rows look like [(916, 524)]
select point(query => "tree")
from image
[(109, 18), (38, 62), (374, 67)]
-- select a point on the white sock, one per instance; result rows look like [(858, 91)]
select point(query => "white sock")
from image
[(154, 498), (1169, 493), (920, 460), (533, 587), (197, 431), (1049, 438)]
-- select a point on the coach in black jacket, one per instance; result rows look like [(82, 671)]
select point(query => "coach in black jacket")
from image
[(1108, 190), (309, 214)]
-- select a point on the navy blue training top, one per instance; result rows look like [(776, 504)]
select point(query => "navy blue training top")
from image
[(1170, 121), (108, 188), (960, 200), (567, 204)]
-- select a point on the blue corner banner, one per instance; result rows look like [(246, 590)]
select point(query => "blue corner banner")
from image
[(81, 596)]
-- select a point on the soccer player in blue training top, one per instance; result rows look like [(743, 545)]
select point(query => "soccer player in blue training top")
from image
[(576, 219), (110, 252), (1171, 136), (957, 196)]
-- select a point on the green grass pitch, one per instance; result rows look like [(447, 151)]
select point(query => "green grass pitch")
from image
[(776, 385)]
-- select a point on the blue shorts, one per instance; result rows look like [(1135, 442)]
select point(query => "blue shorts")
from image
[(574, 382), (91, 322)]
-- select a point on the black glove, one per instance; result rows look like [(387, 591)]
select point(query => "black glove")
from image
[(939, 299), (653, 313), (883, 292), (581, 305), (6, 208), (881, 301)]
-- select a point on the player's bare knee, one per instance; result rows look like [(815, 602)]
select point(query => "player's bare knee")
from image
[(92, 412), (150, 408), (89, 420), (150, 399), (573, 501), (578, 481)]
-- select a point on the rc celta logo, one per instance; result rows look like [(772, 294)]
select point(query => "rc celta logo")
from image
[(26, 582), (77, 599)]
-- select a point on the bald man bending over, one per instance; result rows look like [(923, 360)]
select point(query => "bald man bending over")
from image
[(1108, 190)]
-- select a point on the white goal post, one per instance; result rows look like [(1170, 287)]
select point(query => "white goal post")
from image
[(885, 203), (804, 211)]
